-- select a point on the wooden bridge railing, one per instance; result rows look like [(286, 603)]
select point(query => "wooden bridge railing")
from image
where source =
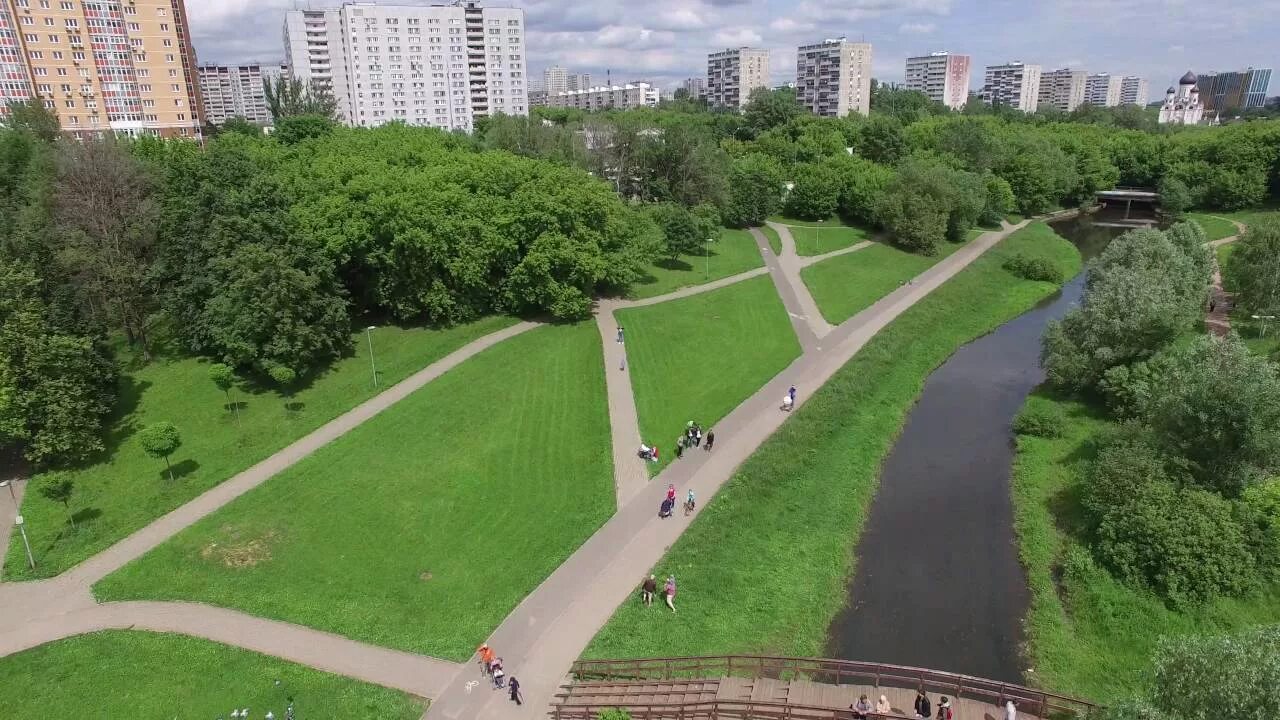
[(1039, 703)]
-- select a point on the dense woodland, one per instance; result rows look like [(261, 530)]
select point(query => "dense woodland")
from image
[(258, 250)]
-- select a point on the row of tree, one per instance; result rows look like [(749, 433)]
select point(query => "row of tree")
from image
[(1183, 497)]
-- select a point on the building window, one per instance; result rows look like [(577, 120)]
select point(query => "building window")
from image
[(28, 20), (168, 42), (134, 27), (65, 5), (36, 55), (48, 21), (168, 57)]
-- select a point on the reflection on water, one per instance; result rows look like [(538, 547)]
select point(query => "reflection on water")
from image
[(938, 583)]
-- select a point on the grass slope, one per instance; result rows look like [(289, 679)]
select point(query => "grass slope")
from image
[(698, 357), (735, 252), (122, 674), (844, 286), (1089, 635), (766, 565), (823, 236), (423, 527), (1215, 227), (126, 489), (775, 242)]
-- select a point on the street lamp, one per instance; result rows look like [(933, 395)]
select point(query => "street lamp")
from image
[(707, 254), (22, 528), (1264, 319), (368, 334)]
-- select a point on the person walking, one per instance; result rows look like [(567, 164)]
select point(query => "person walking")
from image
[(669, 590), (944, 709), (923, 708), (697, 436), (648, 589), (671, 493), (689, 502), (883, 707), (711, 440), (792, 394), (679, 450), (486, 658), (1010, 710), (619, 333), (514, 684)]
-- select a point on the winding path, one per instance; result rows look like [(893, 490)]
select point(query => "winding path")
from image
[(1217, 319)]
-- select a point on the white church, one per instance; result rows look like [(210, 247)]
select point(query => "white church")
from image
[(1183, 106)]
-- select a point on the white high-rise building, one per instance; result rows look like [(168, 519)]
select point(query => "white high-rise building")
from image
[(1134, 91), (733, 73), (235, 91), (833, 77), (1063, 89), (621, 97), (438, 65), (1103, 90), (696, 87), (555, 79), (1014, 84), (943, 76)]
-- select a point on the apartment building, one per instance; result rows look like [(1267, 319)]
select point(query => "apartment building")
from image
[(620, 97), (1103, 90), (943, 76), (1013, 84), (439, 65), (1234, 90), (123, 66), (1063, 89), (833, 77), (236, 91), (556, 79), (696, 87), (733, 73), (1134, 91)]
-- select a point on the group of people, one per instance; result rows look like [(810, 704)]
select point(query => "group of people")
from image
[(492, 666), (693, 437), (669, 503), (863, 709), (649, 588)]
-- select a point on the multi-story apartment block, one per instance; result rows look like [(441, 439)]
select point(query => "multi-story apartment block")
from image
[(1134, 91), (1235, 90), (1014, 84), (438, 65), (236, 91), (833, 77), (621, 97), (733, 73), (556, 79), (1063, 89), (696, 87), (943, 76), (1103, 90), (123, 66)]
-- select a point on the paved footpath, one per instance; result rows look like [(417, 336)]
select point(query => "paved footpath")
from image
[(797, 309), (546, 632)]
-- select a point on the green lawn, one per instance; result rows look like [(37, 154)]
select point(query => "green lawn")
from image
[(816, 238), (422, 528), (1252, 215), (775, 242), (1089, 635), (829, 222), (844, 286), (1215, 227), (765, 566), (735, 252), (698, 357), (122, 674), (126, 489)]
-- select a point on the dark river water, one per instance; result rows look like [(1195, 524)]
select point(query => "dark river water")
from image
[(938, 583)]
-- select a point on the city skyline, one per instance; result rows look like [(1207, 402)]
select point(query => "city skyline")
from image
[(665, 42)]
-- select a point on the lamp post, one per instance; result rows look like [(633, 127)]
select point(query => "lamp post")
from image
[(22, 528), (368, 334), (1264, 319), (707, 255)]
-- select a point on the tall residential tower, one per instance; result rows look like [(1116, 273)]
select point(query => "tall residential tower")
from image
[(733, 73), (1015, 85), (1062, 89), (833, 77), (236, 91), (1103, 90), (1134, 91), (943, 76)]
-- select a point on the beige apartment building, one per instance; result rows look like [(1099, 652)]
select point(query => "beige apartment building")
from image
[(1063, 89), (733, 73), (833, 78), (126, 66), (1015, 85)]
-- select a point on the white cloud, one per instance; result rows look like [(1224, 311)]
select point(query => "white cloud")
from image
[(737, 37), (916, 28)]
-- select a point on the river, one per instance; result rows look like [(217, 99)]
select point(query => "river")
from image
[(938, 582)]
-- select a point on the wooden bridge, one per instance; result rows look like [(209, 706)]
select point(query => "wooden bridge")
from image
[(737, 687), (1127, 196)]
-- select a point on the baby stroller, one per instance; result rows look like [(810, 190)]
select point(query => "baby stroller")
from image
[(667, 506), (787, 402)]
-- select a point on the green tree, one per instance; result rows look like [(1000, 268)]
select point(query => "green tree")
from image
[(290, 97), (686, 232), (755, 191), (32, 117), (815, 194), (1254, 267), (241, 126), (59, 488), (294, 129), (1207, 678), (1175, 197), (767, 109), (160, 440), (1000, 201), (224, 377), (880, 140), (862, 183)]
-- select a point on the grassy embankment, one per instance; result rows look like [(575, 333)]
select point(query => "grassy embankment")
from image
[(733, 252)]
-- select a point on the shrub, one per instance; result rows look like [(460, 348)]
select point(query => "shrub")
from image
[(613, 714), (1034, 268), (1045, 422), (1228, 676)]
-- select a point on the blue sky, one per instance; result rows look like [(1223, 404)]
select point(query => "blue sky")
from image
[(666, 40)]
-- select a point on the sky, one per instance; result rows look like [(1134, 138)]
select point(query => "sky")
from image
[(664, 41)]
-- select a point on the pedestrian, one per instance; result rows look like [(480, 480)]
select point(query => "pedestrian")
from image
[(923, 709), (697, 436), (514, 684), (655, 453), (883, 707), (711, 439), (944, 709), (498, 673), (1010, 710), (679, 450), (486, 658), (689, 502), (671, 493), (622, 362), (1212, 304), (619, 333), (648, 589), (792, 394), (861, 709), (669, 590)]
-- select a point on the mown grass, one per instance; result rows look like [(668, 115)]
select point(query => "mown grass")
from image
[(844, 286), (697, 358), (125, 489), (1215, 228), (423, 527), (122, 674), (775, 242), (766, 565), (1089, 635), (823, 236), (734, 252)]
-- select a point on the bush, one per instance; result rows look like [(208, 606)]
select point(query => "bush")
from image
[(1229, 676), (815, 193), (613, 714), (1034, 268), (1045, 422)]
